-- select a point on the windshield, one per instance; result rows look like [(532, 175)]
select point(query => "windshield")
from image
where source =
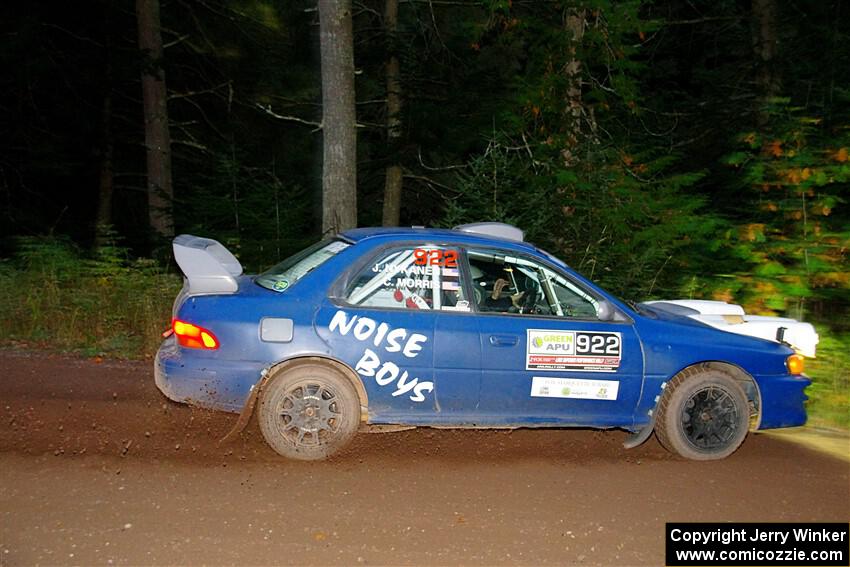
[(634, 305), (282, 276)]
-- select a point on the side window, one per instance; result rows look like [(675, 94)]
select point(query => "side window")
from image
[(503, 283), (426, 277)]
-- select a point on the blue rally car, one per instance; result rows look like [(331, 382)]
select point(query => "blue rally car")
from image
[(471, 327)]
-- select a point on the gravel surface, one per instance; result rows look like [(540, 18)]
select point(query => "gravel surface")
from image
[(97, 467)]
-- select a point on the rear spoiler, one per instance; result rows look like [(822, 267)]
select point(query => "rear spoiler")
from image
[(209, 267)]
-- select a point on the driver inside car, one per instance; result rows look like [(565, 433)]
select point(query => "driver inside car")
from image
[(496, 302)]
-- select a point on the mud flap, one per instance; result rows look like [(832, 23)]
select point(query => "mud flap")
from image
[(639, 436), (251, 403), (244, 415)]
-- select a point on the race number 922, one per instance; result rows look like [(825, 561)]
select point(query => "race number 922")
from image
[(603, 344)]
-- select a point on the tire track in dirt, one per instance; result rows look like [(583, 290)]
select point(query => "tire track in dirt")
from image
[(97, 467)]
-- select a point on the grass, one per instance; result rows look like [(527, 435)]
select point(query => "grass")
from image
[(55, 296), (829, 394)]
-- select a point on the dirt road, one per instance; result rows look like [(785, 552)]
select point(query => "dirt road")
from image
[(96, 467)]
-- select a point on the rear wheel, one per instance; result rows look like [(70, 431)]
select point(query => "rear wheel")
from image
[(309, 412), (703, 415)]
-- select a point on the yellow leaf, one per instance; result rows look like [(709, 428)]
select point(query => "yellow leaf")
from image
[(722, 295), (841, 155), (774, 148), (806, 173), (832, 279), (752, 231)]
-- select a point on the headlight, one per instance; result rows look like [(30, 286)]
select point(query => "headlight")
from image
[(795, 364)]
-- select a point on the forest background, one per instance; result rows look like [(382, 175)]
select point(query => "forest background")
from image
[(666, 149)]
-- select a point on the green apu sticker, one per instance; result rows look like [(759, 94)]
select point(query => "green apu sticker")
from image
[(280, 285)]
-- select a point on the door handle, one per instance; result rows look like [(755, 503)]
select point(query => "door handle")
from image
[(503, 340)]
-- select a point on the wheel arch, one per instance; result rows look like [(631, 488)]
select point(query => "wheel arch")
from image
[(346, 370), (274, 369), (744, 379)]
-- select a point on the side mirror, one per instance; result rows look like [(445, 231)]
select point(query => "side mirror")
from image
[(605, 311)]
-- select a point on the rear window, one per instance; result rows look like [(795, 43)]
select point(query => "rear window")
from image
[(280, 277), (411, 278)]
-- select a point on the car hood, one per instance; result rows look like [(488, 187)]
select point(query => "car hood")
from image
[(731, 318)]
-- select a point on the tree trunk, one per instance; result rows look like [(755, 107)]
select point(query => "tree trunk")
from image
[(393, 182), (107, 174), (765, 44), (574, 109), (106, 184), (339, 127), (157, 136)]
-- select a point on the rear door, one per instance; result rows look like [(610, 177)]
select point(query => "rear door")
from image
[(387, 326), (546, 356)]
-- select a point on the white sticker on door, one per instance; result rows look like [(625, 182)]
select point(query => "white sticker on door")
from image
[(574, 388), (573, 351)]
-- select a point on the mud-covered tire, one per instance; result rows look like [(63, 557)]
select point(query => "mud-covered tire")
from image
[(703, 415), (309, 412)]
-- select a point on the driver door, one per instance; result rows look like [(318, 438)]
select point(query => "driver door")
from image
[(546, 356)]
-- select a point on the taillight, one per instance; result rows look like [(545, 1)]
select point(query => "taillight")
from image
[(193, 336)]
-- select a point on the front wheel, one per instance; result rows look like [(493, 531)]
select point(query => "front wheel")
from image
[(309, 412), (703, 415)]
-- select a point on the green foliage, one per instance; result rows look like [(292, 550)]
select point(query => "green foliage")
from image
[(495, 187), (605, 58), (258, 216), (829, 394), (102, 303), (623, 220), (575, 166), (792, 246)]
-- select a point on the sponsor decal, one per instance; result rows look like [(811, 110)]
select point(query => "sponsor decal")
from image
[(383, 337), (542, 387), (337, 246), (573, 350), (280, 285), (462, 305)]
